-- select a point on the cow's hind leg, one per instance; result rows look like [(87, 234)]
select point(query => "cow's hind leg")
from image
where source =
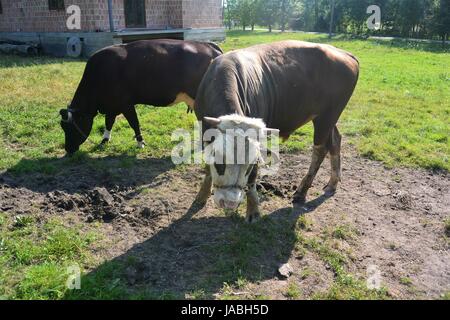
[(319, 153), (133, 120), (334, 147), (109, 123), (322, 130)]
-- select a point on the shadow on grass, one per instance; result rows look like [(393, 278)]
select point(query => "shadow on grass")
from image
[(198, 257), (82, 172), (399, 43), (14, 61)]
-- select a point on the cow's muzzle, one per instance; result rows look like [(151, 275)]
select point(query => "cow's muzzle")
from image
[(228, 198)]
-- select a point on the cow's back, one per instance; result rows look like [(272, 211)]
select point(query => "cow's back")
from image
[(285, 83), (150, 72)]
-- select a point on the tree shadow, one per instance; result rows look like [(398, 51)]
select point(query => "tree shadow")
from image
[(14, 61), (198, 257), (406, 44), (397, 43), (388, 42), (82, 172)]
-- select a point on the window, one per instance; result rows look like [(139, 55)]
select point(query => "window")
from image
[(56, 5), (135, 14)]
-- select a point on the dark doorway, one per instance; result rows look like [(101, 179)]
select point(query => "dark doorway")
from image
[(135, 13)]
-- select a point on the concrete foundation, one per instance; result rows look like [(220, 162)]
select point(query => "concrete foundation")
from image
[(55, 43)]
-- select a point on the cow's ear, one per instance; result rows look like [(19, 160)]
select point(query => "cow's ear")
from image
[(214, 122)]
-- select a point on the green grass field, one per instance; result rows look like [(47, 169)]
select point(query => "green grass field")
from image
[(399, 115)]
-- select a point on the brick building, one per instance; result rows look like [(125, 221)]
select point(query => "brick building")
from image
[(106, 22)]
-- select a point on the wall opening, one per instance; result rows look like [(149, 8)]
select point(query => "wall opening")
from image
[(135, 14)]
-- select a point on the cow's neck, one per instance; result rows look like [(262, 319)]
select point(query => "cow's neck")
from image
[(83, 111), (84, 103)]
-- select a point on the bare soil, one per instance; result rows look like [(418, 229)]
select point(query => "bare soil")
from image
[(145, 212)]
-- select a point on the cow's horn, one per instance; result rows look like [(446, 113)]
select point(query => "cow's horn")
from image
[(212, 121)]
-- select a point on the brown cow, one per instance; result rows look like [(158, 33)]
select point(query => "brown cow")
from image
[(286, 84), (153, 72)]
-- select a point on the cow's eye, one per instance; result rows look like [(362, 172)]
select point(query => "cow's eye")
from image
[(220, 168)]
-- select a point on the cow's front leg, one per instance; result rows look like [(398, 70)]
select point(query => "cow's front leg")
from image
[(109, 123), (253, 212), (319, 153), (205, 190), (133, 120)]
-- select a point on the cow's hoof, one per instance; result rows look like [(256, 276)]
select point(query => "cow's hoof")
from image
[(299, 200), (329, 191), (104, 141), (141, 144), (253, 217)]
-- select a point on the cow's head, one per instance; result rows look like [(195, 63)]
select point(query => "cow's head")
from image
[(77, 127), (233, 154)]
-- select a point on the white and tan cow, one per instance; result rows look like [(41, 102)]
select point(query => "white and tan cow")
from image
[(238, 147), (286, 84)]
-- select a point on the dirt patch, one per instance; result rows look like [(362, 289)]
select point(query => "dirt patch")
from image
[(146, 213)]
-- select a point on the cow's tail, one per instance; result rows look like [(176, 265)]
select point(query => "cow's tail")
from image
[(215, 46), (351, 55)]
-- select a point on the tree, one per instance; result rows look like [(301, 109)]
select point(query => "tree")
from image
[(270, 12), (406, 18), (230, 12), (284, 13), (256, 7), (441, 25)]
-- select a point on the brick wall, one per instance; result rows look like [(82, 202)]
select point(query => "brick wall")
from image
[(34, 15), (202, 13)]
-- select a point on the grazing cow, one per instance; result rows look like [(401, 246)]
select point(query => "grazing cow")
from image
[(285, 84), (116, 78)]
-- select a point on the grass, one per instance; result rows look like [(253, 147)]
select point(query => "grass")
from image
[(400, 111), (447, 227), (248, 245), (399, 115), (35, 256), (343, 232), (345, 286), (406, 281), (446, 296), (293, 292)]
